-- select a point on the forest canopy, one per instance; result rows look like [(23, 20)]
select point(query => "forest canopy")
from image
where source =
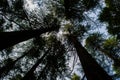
[(59, 40)]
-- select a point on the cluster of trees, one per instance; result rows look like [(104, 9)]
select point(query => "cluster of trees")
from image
[(53, 35)]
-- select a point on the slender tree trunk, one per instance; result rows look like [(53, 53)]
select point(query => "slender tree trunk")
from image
[(8, 39), (92, 69), (30, 73), (5, 69)]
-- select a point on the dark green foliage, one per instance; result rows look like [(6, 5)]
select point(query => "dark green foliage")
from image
[(113, 18), (80, 30), (50, 20), (105, 15), (90, 3), (39, 44), (111, 15), (5, 69), (94, 41), (117, 70), (18, 4), (34, 52), (75, 77), (46, 58), (108, 47), (111, 45), (3, 4), (18, 9), (1, 21), (9, 65), (8, 50), (53, 59), (17, 77), (72, 10)]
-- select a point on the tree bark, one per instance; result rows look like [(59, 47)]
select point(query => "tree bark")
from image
[(8, 39), (92, 69)]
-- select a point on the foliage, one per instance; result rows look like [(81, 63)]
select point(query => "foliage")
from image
[(15, 16), (110, 43), (17, 77), (94, 41), (110, 14), (90, 3), (75, 77)]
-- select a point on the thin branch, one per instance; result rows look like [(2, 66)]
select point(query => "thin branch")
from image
[(12, 21)]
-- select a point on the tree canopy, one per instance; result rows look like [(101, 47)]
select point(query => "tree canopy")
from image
[(48, 39)]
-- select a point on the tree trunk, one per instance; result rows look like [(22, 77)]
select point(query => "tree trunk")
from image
[(8, 39), (5, 69), (30, 73), (92, 69)]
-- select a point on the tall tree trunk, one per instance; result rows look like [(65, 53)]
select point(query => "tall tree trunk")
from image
[(8, 39), (92, 69), (30, 73), (5, 69)]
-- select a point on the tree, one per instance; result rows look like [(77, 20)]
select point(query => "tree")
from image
[(90, 62), (49, 62), (30, 73), (54, 59), (11, 63), (112, 20), (12, 38), (92, 69), (113, 27), (108, 47)]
